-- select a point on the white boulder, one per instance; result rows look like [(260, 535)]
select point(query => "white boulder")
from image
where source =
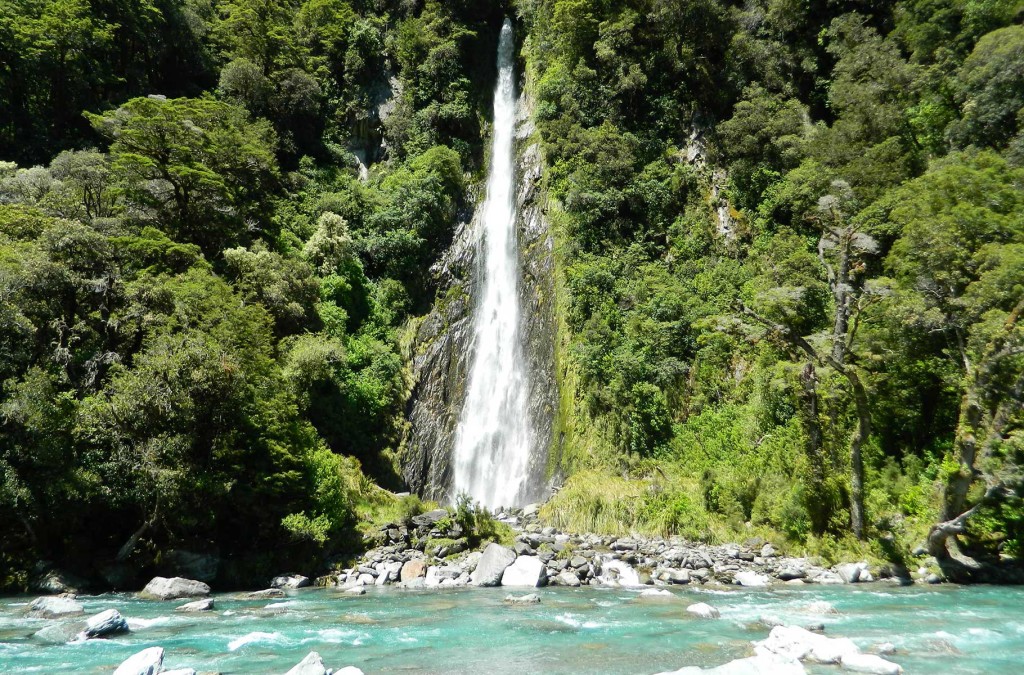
[(762, 664), (289, 581), (527, 570), (869, 663), (49, 607), (162, 588), (107, 622), (492, 565), (147, 662), (751, 579), (703, 610), (618, 573), (793, 642)]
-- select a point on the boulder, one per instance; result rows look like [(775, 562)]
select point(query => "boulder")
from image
[(59, 633), (848, 572), (162, 588), (413, 569), (673, 576), (527, 570), (311, 665), (791, 573), (289, 581), (54, 606), (565, 579), (751, 579), (869, 663), (265, 594), (106, 623), (429, 518), (492, 565), (821, 607), (656, 594), (147, 662), (56, 581), (179, 671), (793, 642), (204, 605), (355, 590), (528, 599), (703, 610), (827, 578), (762, 664), (618, 573)]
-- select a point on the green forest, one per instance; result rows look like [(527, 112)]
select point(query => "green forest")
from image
[(789, 268)]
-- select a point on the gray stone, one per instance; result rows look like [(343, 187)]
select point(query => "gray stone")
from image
[(289, 581), (565, 579), (703, 611), (848, 572), (526, 571), (790, 573), (311, 665), (355, 590), (179, 671), (492, 565), (266, 594), (54, 606), (57, 581), (147, 662), (59, 633), (522, 548), (162, 588), (204, 605), (106, 623), (414, 569), (529, 599), (933, 579)]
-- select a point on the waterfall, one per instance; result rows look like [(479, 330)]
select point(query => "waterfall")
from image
[(493, 440)]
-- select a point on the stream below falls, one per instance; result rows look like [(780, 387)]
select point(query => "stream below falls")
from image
[(935, 629)]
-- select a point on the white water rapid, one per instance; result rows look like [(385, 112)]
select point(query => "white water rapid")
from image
[(492, 444)]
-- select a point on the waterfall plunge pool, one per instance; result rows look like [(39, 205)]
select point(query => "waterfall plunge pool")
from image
[(948, 629)]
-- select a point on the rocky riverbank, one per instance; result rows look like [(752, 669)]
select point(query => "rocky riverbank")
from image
[(433, 552)]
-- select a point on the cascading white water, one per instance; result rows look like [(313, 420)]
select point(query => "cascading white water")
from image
[(492, 444)]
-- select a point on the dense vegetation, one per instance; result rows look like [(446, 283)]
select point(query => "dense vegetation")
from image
[(790, 266), (791, 241), (203, 286)]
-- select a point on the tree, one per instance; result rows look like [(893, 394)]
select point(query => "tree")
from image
[(199, 168)]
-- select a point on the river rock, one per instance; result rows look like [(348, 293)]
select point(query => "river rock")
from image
[(313, 664), (761, 664), (56, 581), (826, 578), (147, 662), (565, 579), (289, 581), (791, 573), (673, 576), (869, 663), (848, 572), (492, 565), (703, 611), (793, 642), (162, 588), (618, 573), (429, 518), (54, 606), (821, 607), (528, 599), (414, 569), (656, 594), (355, 590), (527, 570), (179, 671), (751, 579), (266, 594), (59, 633), (106, 623), (204, 605)]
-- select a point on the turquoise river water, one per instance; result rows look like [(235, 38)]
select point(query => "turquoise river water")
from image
[(944, 629)]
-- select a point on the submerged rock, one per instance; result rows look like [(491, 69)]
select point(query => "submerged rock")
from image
[(762, 664), (54, 606), (529, 599), (703, 610), (656, 594), (266, 594), (869, 663), (204, 605), (106, 623), (147, 662), (526, 571), (492, 565), (59, 633), (355, 590), (162, 588)]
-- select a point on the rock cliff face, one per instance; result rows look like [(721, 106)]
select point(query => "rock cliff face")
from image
[(443, 341)]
